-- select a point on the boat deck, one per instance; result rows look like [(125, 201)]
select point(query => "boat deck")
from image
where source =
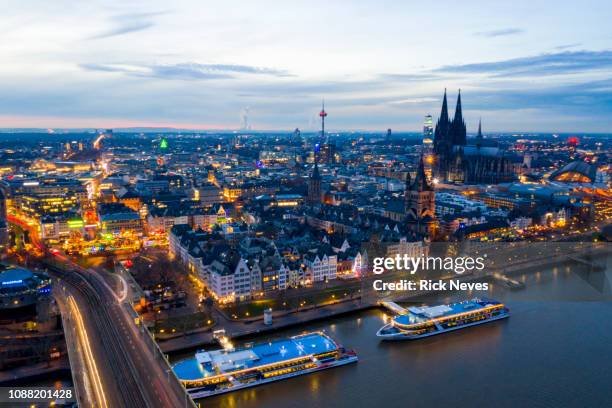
[(226, 361), (424, 314)]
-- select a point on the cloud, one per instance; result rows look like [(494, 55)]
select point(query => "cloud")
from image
[(407, 77), (500, 33), (124, 29), (586, 106), (412, 101), (585, 97), (185, 71), (128, 23), (566, 46), (568, 62)]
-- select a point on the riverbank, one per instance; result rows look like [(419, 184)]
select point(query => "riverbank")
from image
[(237, 329), (524, 360)]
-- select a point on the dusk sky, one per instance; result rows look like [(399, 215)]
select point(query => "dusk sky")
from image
[(521, 65)]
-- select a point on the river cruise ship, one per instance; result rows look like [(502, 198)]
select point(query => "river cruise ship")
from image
[(424, 321), (220, 371)]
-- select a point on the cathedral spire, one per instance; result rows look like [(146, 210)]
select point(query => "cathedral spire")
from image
[(458, 128), (444, 112), (458, 110), (441, 132), (479, 134), (420, 179)]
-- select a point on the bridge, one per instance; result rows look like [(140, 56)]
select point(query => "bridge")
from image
[(115, 364)]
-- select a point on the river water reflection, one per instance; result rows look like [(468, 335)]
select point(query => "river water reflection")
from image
[(554, 351)]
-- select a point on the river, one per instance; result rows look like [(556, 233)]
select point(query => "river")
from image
[(554, 351)]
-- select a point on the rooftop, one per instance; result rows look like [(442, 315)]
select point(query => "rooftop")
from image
[(15, 276), (205, 363), (426, 313)]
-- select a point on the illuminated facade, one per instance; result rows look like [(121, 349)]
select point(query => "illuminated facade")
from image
[(320, 266), (420, 201), (576, 172), (118, 219), (428, 131), (60, 227), (35, 206), (35, 199), (21, 288)]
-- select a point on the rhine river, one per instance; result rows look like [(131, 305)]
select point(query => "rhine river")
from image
[(554, 351)]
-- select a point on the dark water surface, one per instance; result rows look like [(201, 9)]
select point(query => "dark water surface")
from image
[(554, 351)]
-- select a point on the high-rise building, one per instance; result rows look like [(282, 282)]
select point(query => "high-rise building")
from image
[(327, 153), (428, 129)]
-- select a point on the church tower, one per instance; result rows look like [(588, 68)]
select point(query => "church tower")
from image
[(442, 129), (479, 137), (314, 183), (458, 128), (443, 145), (420, 202), (457, 163)]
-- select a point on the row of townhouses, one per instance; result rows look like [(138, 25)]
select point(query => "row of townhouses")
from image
[(254, 266)]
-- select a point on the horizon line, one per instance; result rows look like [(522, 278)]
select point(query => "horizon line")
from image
[(164, 129)]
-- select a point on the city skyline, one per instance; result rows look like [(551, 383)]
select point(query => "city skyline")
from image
[(521, 67), (236, 203)]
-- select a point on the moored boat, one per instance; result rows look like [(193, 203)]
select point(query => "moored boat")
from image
[(424, 321), (220, 371)]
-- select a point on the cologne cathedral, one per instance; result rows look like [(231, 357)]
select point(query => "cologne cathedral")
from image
[(458, 162)]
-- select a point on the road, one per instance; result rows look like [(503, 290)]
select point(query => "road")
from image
[(122, 369), (115, 361)]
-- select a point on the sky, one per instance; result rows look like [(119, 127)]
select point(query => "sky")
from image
[(542, 66)]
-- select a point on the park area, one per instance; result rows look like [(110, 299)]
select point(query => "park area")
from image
[(292, 300), (183, 323)]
